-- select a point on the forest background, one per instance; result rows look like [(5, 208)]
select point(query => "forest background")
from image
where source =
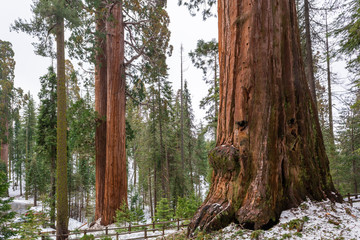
[(187, 30)]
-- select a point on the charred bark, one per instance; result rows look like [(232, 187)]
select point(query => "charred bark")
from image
[(115, 188), (269, 154)]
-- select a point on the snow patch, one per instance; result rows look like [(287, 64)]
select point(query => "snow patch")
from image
[(318, 220)]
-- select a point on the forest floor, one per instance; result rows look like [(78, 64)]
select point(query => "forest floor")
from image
[(311, 220), (20, 205)]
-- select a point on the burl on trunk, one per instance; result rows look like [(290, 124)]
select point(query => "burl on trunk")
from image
[(269, 154)]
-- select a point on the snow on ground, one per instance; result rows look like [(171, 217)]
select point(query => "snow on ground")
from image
[(14, 192), (124, 235), (311, 220)]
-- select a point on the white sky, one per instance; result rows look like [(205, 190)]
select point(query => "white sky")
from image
[(184, 29)]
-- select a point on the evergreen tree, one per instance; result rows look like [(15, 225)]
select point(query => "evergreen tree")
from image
[(81, 140), (5, 214), (347, 30), (46, 133), (345, 166), (28, 123), (206, 58), (163, 211), (7, 66), (202, 169), (49, 17), (16, 155)]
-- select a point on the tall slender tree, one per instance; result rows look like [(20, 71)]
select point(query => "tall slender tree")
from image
[(206, 58), (182, 110), (46, 132), (309, 63), (49, 17), (29, 123), (7, 66), (328, 76), (61, 126)]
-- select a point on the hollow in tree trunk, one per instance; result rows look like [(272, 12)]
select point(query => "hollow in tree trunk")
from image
[(269, 154)]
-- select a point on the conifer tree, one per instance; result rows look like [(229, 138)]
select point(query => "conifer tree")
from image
[(206, 58), (348, 22), (7, 66), (49, 17), (46, 132), (6, 215), (29, 123)]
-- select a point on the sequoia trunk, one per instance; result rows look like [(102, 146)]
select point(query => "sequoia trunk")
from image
[(269, 153), (115, 189), (100, 107)]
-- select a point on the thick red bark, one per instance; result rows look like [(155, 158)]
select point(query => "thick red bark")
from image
[(100, 108), (270, 154), (115, 192)]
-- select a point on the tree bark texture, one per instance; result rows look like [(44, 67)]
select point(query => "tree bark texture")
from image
[(182, 113), (269, 154), (216, 104), (115, 192), (328, 71), (53, 188), (100, 108), (62, 192), (309, 69), (4, 148)]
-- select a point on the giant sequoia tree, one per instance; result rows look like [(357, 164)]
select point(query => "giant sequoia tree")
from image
[(269, 153), (125, 34), (7, 66)]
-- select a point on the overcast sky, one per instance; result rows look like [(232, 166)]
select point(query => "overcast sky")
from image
[(185, 30)]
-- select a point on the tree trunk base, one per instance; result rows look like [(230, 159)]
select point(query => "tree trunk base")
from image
[(229, 201)]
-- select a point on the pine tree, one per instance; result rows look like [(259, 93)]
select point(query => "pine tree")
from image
[(81, 140), (49, 17), (163, 211), (206, 58), (348, 23), (7, 66), (46, 132), (29, 123), (5, 214)]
